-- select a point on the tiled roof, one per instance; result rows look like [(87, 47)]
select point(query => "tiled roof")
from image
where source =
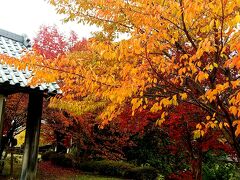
[(15, 45), (12, 44)]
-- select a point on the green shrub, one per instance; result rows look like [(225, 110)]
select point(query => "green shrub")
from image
[(215, 166), (47, 156), (90, 166), (220, 171), (106, 167), (142, 173), (63, 160)]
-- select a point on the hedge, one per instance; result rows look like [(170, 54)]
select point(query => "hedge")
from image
[(47, 156), (119, 169), (104, 167), (64, 160), (142, 173)]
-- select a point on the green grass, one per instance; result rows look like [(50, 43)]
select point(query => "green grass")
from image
[(92, 177), (16, 167), (17, 171)]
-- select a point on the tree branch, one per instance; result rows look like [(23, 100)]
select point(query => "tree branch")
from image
[(185, 28)]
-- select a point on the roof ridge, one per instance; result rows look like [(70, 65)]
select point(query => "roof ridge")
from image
[(11, 35)]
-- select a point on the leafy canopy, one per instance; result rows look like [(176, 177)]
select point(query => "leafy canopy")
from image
[(177, 51)]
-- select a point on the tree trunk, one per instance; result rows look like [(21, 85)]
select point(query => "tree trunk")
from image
[(197, 168), (2, 106)]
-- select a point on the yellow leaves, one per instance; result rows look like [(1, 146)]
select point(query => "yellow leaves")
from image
[(205, 46), (213, 125), (185, 56), (173, 41), (201, 76), (88, 104), (199, 63), (215, 65), (160, 121), (165, 102), (163, 115), (174, 100), (209, 67), (183, 96), (236, 19), (234, 110), (208, 118), (108, 55), (162, 70), (136, 103), (198, 126), (235, 84), (235, 61), (155, 80), (232, 100), (221, 125), (20, 138), (211, 24), (222, 87), (226, 124), (123, 63), (211, 95), (237, 124), (156, 107), (198, 133), (182, 71), (192, 68), (137, 46)]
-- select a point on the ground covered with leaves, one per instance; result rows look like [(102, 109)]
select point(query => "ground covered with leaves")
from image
[(49, 171)]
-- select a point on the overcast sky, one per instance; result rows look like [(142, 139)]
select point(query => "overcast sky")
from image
[(26, 16)]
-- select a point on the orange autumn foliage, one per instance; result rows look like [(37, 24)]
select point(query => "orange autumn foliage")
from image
[(176, 51)]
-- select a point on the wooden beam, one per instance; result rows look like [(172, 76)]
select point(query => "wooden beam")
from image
[(29, 165), (2, 106)]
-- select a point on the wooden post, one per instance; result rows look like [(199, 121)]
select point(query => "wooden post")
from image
[(11, 163), (2, 106), (29, 165)]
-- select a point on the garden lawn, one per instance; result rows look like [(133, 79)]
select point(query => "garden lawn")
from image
[(48, 171)]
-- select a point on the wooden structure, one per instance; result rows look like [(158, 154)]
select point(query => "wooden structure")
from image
[(12, 81)]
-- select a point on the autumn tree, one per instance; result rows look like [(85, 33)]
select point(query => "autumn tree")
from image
[(87, 138), (50, 42), (79, 46), (182, 121), (16, 110), (14, 123), (94, 143), (54, 130), (177, 51)]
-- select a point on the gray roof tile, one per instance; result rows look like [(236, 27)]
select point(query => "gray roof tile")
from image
[(15, 45)]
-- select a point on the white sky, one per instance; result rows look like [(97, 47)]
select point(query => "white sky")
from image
[(26, 16)]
